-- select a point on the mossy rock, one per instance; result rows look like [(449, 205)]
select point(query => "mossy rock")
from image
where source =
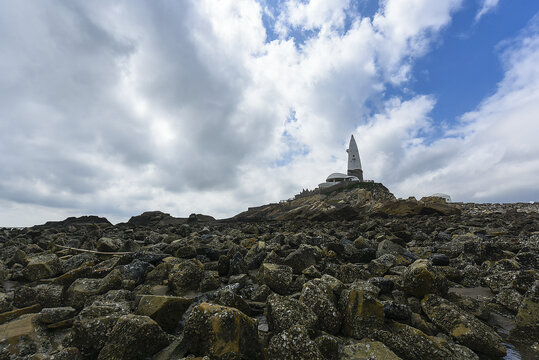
[(278, 277), (222, 333), (361, 311), (167, 311), (527, 321), (463, 327), (367, 350)]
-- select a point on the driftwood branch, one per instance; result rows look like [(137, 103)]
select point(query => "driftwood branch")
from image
[(95, 252)]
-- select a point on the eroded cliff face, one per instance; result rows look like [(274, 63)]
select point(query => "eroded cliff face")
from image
[(387, 279)]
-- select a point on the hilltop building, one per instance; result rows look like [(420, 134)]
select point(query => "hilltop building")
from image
[(354, 173)]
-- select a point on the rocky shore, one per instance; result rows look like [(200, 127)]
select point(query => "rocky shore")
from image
[(351, 275)]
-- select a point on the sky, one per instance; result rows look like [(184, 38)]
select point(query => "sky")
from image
[(112, 108)]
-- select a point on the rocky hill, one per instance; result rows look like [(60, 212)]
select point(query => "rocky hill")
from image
[(354, 274), (348, 203)]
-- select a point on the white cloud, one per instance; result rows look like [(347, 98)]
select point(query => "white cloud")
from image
[(491, 156), (487, 6), (324, 15), (184, 107)]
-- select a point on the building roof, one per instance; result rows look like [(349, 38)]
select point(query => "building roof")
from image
[(340, 176), (336, 176)]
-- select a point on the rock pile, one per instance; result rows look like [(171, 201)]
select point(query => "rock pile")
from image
[(424, 286)]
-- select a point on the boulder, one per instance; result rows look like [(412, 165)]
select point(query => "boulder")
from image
[(54, 315), (3, 271), (318, 295), (381, 265), (510, 298), (92, 327), (237, 265), (302, 258), (277, 277), (222, 333), (106, 244), (464, 328), (5, 302), (284, 312), (293, 344), (229, 298), (420, 279), (361, 311), (367, 349), (440, 260), (527, 321), (412, 344), (328, 346), (390, 247), (167, 311), (186, 276), (134, 337), (42, 266), (44, 294), (83, 290)]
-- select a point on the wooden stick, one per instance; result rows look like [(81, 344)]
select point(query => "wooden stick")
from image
[(94, 251)]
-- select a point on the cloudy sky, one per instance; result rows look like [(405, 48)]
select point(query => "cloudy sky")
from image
[(113, 108)]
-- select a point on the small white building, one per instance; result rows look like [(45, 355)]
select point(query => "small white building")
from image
[(446, 197), (335, 178)]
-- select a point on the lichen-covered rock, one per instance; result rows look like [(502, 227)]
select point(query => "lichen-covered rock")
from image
[(380, 265), (106, 244), (222, 333), (421, 279), (319, 297), (5, 302), (53, 315), (167, 311), (302, 258), (361, 312), (229, 298), (367, 349), (284, 312), (82, 290), (186, 276), (3, 271), (384, 284), (412, 344), (133, 337), (293, 344), (389, 247), (46, 295), (92, 327), (42, 266), (527, 321), (328, 346), (396, 311), (464, 328), (510, 298), (277, 277)]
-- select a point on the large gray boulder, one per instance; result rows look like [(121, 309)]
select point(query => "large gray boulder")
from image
[(278, 277), (133, 337), (294, 344), (318, 295), (284, 312), (464, 328), (222, 333)]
